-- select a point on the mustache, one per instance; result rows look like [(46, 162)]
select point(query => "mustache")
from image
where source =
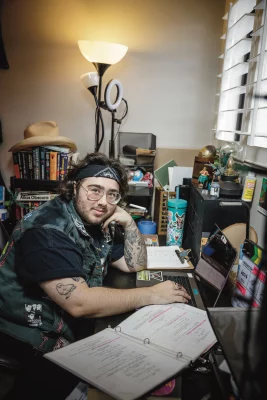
[(100, 208)]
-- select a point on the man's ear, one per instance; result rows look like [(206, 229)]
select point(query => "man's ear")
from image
[(74, 188)]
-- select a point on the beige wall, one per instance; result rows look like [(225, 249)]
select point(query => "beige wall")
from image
[(169, 73)]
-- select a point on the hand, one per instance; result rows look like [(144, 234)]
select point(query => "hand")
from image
[(119, 216), (168, 292)]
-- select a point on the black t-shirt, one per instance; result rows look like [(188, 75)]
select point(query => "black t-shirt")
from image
[(46, 254)]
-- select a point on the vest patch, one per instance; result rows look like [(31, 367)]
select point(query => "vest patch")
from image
[(33, 314)]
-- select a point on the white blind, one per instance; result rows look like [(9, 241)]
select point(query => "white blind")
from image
[(244, 75)]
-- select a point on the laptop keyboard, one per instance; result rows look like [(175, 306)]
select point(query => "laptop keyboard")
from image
[(185, 283)]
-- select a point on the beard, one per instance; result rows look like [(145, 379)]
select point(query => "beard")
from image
[(86, 212)]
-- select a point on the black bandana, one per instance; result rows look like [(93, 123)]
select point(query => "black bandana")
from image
[(98, 171)]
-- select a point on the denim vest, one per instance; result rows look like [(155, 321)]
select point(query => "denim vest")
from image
[(28, 314)]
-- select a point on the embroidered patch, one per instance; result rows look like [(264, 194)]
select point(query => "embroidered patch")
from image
[(61, 342), (33, 313)]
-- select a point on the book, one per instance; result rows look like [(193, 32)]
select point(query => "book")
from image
[(63, 166), (148, 348), (20, 164), (25, 167), (30, 165), (36, 162), (47, 164), (165, 257), (53, 165), (35, 196), (42, 162), (16, 164)]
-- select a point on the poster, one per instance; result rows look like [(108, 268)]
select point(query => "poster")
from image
[(262, 207)]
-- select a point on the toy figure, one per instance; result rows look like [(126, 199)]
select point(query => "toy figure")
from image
[(203, 177), (148, 177)]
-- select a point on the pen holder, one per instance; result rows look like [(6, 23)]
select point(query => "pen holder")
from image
[(176, 218), (147, 227)]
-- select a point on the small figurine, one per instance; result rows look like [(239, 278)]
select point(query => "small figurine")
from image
[(148, 177), (203, 177)]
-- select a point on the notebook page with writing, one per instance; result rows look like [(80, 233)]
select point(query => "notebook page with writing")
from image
[(114, 364), (164, 257), (174, 327)]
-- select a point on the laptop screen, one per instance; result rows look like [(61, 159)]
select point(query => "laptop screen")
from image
[(217, 258)]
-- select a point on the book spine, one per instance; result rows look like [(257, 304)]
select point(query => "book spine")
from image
[(36, 162), (53, 165), (16, 164), (63, 166), (30, 164), (58, 166), (47, 164), (42, 163), (24, 165), (20, 164)]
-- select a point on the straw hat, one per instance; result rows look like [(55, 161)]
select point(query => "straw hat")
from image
[(44, 133)]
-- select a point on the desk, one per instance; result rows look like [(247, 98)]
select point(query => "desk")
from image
[(200, 383)]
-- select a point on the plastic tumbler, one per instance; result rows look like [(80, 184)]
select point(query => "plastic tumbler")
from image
[(176, 218)]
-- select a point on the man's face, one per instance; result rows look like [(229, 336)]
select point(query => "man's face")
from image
[(95, 211)]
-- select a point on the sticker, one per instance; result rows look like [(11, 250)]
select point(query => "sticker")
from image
[(143, 275), (33, 314), (190, 275), (195, 291), (157, 276)]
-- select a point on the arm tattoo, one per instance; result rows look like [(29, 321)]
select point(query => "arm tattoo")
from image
[(77, 279), (134, 247), (65, 290)]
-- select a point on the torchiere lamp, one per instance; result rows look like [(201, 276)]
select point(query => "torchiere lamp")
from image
[(103, 55)]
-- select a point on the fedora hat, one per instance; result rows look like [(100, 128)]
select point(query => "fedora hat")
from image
[(44, 133)]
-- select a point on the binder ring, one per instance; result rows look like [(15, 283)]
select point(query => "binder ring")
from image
[(117, 329), (179, 354), (146, 341)]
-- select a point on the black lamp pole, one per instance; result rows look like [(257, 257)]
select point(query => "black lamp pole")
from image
[(101, 69)]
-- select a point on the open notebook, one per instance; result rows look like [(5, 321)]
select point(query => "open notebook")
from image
[(146, 349)]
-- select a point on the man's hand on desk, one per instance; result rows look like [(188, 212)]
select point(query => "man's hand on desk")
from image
[(169, 292)]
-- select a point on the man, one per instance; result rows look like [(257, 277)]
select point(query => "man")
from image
[(53, 267)]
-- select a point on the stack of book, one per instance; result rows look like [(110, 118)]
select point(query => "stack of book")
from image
[(47, 163)]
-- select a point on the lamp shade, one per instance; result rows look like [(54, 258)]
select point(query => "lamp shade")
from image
[(90, 79), (102, 52)]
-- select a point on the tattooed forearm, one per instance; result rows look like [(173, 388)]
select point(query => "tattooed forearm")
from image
[(65, 290), (134, 248), (78, 279)]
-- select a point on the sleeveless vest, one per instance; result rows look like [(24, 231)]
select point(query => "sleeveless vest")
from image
[(28, 314)]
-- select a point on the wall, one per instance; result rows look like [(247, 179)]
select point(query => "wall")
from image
[(168, 74)]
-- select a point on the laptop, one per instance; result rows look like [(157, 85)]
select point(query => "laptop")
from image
[(217, 258)]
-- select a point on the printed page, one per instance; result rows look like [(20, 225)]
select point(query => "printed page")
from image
[(164, 257), (116, 365), (176, 327)]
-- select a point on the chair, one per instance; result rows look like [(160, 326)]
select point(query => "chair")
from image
[(6, 362)]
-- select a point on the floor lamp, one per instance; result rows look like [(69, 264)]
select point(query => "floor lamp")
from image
[(102, 55)]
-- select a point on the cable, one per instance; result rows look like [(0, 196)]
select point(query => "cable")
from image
[(119, 120)]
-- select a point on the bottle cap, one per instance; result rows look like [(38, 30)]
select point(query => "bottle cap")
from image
[(251, 173)]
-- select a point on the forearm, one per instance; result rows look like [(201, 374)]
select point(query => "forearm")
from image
[(135, 253), (102, 302)]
